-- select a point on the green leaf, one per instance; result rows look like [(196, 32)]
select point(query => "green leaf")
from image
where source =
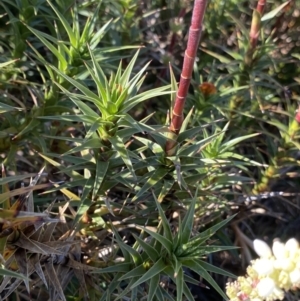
[(127, 290), (119, 146), (90, 96), (174, 87), (13, 179), (212, 230), (72, 118), (148, 249), (188, 134), (43, 37), (239, 23), (101, 170), (166, 188), (65, 23), (223, 59), (154, 285), (84, 108), (113, 285), (152, 181), (163, 294), (128, 71), (9, 273), (179, 284), (164, 220), (166, 243), (135, 100), (186, 121), (187, 292), (98, 77), (194, 148), (136, 272), (136, 256), (187, 223), (100, 33), (211, 268), (85, 201), (233, 142), (6, 108), (195, 266), (119, 267), (274, 12), (156, 269), (154, 147), (85, 145), (2, 65)]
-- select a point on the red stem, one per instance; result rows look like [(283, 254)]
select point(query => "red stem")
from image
[(187, 69), (255, 25), (261, 6)]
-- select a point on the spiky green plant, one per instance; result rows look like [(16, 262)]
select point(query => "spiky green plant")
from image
[(160, 257)]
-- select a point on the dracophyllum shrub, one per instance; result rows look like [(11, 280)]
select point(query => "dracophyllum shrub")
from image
[(269, 276)]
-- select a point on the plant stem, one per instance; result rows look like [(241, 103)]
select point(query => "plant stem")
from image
[(261, 6), (256, 23), (187, 69)]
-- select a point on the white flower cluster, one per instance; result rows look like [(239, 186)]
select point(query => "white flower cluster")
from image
[(276, 271)]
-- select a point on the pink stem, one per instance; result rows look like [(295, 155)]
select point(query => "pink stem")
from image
[(188, 63)]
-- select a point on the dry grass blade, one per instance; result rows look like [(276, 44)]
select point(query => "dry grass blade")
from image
[(35, 262), (11, 286), (81, 279), (54, 283), (21, 259), (35, 246), (48, 232)]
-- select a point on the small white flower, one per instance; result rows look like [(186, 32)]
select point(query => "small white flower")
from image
[(263, 267), (279, 250), (265, 287), (292, 246), (262, 249), (278, 293), (285, 264), (295, 277)]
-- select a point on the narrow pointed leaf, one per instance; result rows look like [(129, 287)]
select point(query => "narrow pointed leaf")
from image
[(66, 25), (40, 35), (99, 34), (85, 90), (187, 292), (136, 272), (101, 170), (187, 223), (164, 220), (9, 273), (152, 181), (179, 284), (119, 146), (119, 267), (156, 269), (274, 12), (166, 243), (135, 100), (128, 71), (186, 121), (211, 268), (212, 230), (197, 268), (151, 252), (154, 285)]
